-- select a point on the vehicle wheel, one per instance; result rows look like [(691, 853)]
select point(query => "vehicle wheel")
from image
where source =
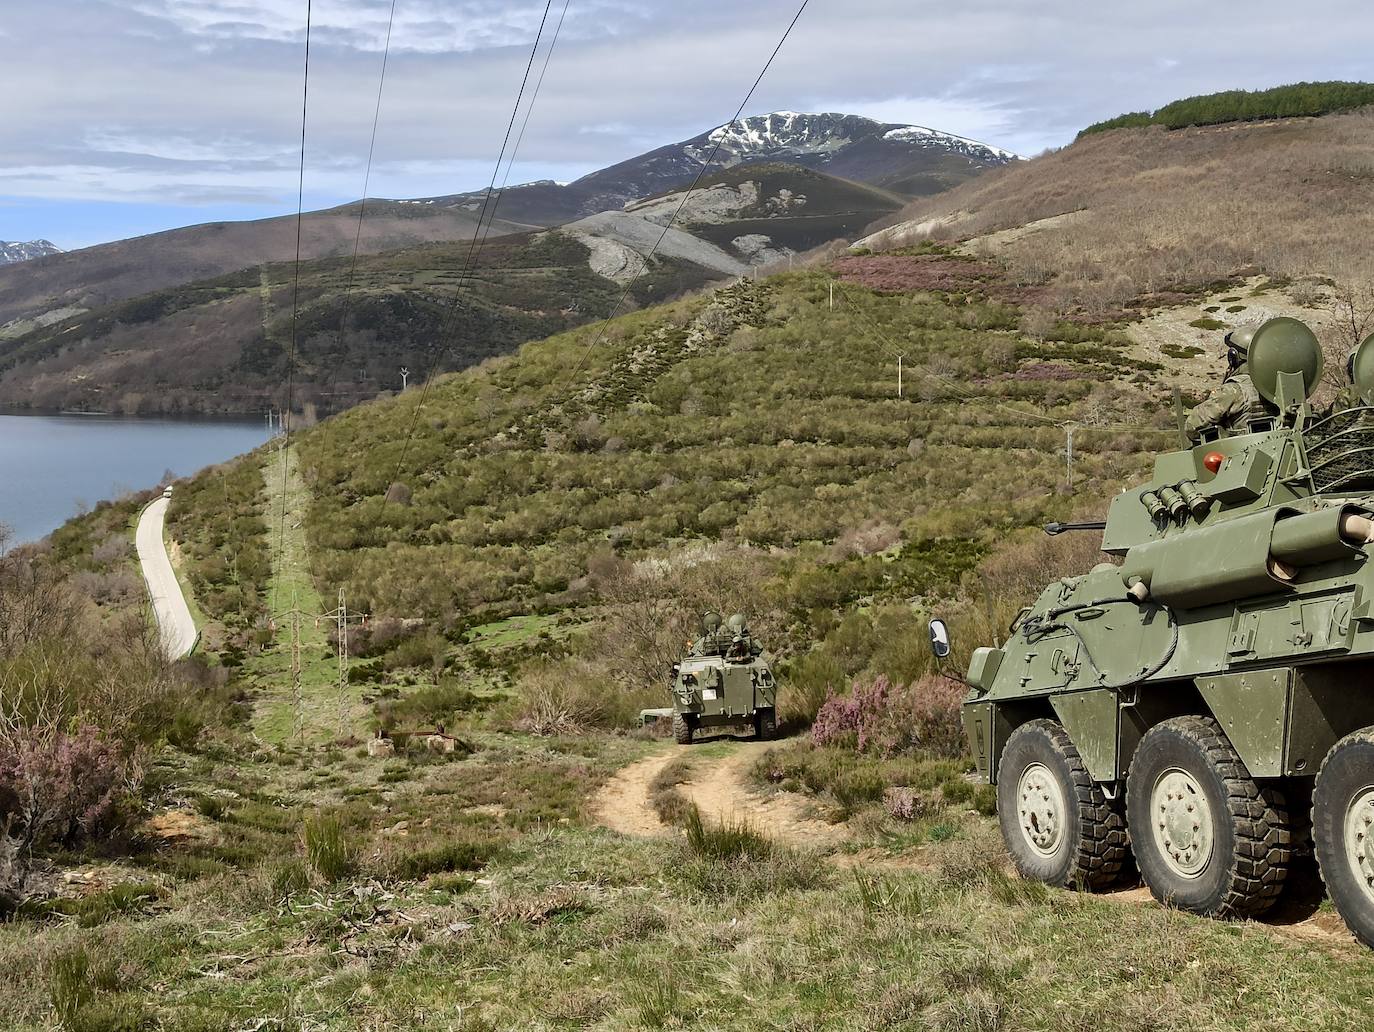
[(1343, 830), (1207, 837), (1057, 825), (682, 729), (765, 725)]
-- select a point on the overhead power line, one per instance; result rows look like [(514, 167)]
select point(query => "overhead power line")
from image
[(490, 202), (362, 202), (701, 172), (296, 288)]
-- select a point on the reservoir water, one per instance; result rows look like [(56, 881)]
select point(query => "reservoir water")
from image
[(52, 465)]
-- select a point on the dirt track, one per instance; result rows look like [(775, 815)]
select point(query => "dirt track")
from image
[(719, 791)]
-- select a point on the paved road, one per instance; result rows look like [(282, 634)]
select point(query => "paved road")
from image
[(173, 616)]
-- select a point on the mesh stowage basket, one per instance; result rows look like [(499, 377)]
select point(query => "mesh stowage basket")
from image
[(1340, 451)]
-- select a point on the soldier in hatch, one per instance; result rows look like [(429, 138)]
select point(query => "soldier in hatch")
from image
[(1236, 403), (1347, 397)]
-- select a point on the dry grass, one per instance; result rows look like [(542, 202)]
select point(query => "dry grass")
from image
[(1164, 210)]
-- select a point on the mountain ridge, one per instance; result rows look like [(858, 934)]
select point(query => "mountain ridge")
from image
[(12, 251), (885, 154)]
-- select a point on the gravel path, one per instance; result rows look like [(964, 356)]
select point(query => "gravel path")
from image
[(169, 604)]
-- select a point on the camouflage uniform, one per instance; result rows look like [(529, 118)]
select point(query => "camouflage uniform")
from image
[(1346, 398), (1232, 407)]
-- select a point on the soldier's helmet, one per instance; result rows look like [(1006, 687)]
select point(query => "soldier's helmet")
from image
[(1238, 343)]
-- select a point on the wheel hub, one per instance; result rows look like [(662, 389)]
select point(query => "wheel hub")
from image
[(1040, 809), (1181, 820), (1359, 830)]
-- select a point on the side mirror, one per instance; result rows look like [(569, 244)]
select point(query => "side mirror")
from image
[(939, 639)]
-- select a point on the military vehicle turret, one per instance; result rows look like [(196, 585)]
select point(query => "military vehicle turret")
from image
[(1205, 700), (724, 682)]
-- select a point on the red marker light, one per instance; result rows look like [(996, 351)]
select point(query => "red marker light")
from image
[(1213, 460)]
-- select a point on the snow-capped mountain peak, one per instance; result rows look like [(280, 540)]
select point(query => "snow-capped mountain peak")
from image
[(23, 251), (780, 134), (905, 159)]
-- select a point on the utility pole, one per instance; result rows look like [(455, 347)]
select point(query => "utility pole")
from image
[(1068, 452), (296, 697), (405, 377), (343, 660), (832, 295), (342, 617), (899, 375)]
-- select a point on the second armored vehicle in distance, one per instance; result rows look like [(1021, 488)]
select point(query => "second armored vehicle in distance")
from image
[(723, 683)]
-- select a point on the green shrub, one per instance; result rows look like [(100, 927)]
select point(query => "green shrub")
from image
[(329, 849), (985, 800), (429, 706), (469, 851), (1303, 99), (853, 788), (732, 859), (724, 840), (289, 878)]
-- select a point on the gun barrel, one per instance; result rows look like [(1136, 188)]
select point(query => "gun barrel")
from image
[(1058, 528)]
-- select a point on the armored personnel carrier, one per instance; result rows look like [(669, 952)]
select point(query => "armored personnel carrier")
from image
[(1205, 700), (723, 682)]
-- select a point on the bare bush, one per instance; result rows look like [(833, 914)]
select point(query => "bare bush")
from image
[(869, 537), (570, 696), (34, 601), (657, 606), (1352, 306)]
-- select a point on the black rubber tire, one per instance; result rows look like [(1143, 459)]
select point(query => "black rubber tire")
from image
[(682, 729), (1252, 842), (1347, 772), (1094, 845), (765, 725)]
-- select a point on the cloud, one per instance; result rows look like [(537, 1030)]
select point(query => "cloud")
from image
[(171, 102)]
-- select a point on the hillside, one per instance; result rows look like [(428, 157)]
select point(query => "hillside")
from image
[(908, 159), (76, 281), (1124, 215), (221, 345), (529, 562), (748, 216), (755, 415)]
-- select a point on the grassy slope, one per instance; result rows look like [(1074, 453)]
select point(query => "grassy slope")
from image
[(759, 414), (782, 429), (481, 898), (1157, 210)]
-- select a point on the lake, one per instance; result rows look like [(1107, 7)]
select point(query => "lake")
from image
[(50, 465)]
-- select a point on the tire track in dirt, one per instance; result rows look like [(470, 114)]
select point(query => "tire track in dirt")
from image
[(719, 789), (622, 804)]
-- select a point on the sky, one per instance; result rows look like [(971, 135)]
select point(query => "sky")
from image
[(125, 117)]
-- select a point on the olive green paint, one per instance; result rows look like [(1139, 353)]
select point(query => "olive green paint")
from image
[(1090, 718)]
